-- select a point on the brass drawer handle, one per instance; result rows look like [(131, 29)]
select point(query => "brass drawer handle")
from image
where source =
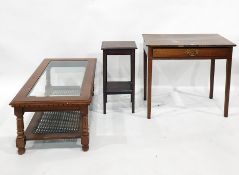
[(192, 52)]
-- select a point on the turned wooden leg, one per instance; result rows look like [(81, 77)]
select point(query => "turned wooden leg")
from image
[(84, 128), (212, 78), (227, 86), (145, 74), (21, 139)]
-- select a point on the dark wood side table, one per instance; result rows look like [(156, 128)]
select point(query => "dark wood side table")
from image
[(118, 87), (186, 46)]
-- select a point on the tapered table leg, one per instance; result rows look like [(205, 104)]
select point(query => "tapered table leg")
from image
[(21, 138), (212, 78), (84, 128), (149, 88), (227, 86), (145, 74)]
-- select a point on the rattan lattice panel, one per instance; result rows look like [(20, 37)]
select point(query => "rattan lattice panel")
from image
[(62, 91), (58, 122), (67, 92)]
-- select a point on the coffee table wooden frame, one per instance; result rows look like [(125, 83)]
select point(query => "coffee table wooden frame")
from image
[(23, 103)]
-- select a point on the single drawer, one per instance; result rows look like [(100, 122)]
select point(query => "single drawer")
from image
[(192, 52)]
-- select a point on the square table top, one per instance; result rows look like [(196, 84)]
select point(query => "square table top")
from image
[(118, 45), (186, 40)]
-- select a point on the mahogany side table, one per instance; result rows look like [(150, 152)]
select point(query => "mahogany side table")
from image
[(118, 87), (186, 46)]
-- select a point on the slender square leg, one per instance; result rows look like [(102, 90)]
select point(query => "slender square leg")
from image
[(104, 81), (149, 88), (106, 78), (227, 86), (131, 76), (21, 138), (212, 78), (145, 74), (133, 80), (104, 103), (84, 128)]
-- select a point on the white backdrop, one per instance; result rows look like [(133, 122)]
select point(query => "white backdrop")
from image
[(31, 30)]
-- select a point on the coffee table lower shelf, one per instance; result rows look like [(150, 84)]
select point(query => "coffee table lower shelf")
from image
[(54, 125)]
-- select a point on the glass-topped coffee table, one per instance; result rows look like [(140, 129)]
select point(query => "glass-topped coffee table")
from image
[(59, 92)]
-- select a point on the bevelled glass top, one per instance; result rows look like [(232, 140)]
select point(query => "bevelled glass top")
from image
[(60, 78)]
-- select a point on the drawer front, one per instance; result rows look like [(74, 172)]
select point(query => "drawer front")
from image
[(192, 52)]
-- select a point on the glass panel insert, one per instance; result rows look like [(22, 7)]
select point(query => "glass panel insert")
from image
[(60, 78)]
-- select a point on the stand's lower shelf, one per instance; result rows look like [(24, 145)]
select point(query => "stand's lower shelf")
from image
[(54, 125), (119, 87)]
